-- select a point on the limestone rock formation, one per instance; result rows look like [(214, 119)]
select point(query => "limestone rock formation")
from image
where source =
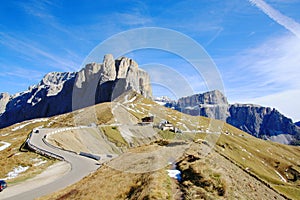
[(59, 93), (210, 104), (105, 82), (212, 98), (262, 122), (4, 99), (49, 97)]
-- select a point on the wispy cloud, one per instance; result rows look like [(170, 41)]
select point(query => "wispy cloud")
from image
[(133, 19), (268, 68), (287, 102), (23, 73), (38, 8), (26, 47), (287, 22), (265, 73), (277, 60), (215, 36)]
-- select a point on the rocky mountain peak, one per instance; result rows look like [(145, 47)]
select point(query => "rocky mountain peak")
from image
[(108, 69), (122, 66), (214, 97), (61, 92), (4, 99), (262, 122), (56, 78)]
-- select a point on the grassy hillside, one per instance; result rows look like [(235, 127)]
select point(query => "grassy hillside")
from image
[(13, 157), (217, 161), (237, 166)]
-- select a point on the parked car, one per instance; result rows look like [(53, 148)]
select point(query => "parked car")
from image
[(3, 185)]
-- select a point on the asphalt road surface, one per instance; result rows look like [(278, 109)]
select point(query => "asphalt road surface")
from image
[(80, 167)]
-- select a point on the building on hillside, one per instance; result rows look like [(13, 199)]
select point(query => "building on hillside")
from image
[(147, 121), (166, 125)]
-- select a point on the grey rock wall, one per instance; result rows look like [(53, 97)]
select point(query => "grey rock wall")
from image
[(59, 93), (261, 122)]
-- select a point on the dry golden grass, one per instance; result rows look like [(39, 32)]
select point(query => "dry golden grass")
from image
[(255, 156), (263, 159), (241, 165), (97, 114), (108, 183), (214, 177), (12, 157)]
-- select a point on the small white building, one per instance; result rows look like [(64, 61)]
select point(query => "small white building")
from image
[(166, 125)]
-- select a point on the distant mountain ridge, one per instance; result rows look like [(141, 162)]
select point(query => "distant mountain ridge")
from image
[(261, 122), (61, 92)]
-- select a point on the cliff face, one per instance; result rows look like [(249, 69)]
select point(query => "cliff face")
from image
[(210, 104), (262, 122), (105, 82), (50, 97), (59, 93), (214, 97)]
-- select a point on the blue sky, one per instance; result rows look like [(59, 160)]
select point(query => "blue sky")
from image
[(255, 44)]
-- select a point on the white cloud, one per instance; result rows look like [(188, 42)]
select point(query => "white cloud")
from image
[(287, 102), (37, 8), (33, 52), (23, 73), (268, 75), (272, 65), (133, 19), (278, 61), (289, 23)]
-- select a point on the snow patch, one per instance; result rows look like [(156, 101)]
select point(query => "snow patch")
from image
[(174, 173), (136, 111), (40, 163), (31, 122), (4, 146), (16, 171), (160, 103), (281, 177), (132, 100)]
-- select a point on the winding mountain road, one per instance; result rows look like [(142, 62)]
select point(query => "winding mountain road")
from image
[(80, 167)]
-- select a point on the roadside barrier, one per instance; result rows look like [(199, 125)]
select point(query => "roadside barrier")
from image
[(42, 151)]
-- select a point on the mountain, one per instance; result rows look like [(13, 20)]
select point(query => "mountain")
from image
[(59, 93), (209, 104), (261, 122), (239, 166), (297, 124)]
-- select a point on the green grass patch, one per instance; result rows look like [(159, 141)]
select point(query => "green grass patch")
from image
[(113, 135), (290, 192)]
